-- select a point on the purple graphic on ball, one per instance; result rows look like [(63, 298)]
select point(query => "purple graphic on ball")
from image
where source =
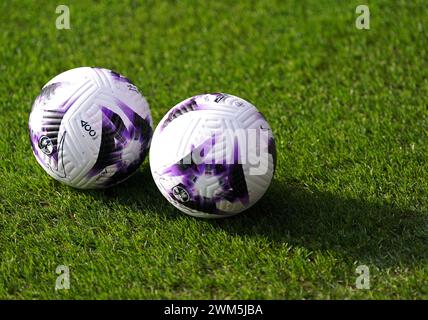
[(232, 185), (116, 137)]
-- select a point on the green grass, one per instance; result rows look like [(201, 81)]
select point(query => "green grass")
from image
[(349, 112)]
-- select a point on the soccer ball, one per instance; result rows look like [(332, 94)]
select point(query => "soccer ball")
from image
[(90, 128), (213, 155)]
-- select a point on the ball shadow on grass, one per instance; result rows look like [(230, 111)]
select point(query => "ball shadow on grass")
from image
[(290, 213), (366, 232), (137, 193)]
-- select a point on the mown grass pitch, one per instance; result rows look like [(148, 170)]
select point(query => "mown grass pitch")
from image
[(349, 112)]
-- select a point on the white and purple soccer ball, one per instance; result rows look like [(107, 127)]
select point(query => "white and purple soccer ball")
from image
[(90, 128), (213, 155)]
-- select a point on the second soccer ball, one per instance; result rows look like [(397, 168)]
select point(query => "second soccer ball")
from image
[(90, 128), (213, 155)]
